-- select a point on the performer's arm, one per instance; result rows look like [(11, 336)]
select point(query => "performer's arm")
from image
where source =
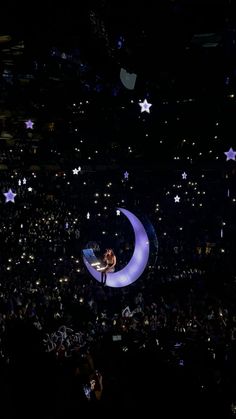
[(114, 262)]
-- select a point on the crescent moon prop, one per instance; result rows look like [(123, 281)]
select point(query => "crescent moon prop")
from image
[(134, 269)]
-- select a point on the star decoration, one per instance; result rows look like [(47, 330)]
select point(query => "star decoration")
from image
[(126, 175), (230, 154), (177, 198), (76, 170), (10, 196), (24, 181), (30, 189), (19, 182), (145, 106), (184, 175), (29, 124), (88, 216), (117, 212)]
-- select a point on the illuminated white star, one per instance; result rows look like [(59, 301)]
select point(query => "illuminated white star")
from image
[(145, 106), (126, 175), (184, 175), (19, 182), (230, 154), (88, 216), (117, 212), (177, 198), (24, 181), (29, 124), (10, 196), (30, 189), (76, 170)]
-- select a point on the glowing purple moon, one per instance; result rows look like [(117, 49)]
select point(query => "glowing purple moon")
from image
[(134, 269)]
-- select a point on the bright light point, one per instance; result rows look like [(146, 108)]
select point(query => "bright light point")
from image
[(117, 212), (184, 175)]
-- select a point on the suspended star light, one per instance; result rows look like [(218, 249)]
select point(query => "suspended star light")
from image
[(30, 189), (88, 216), (145, 106), (177, 198), (10, 196), (184, 175), (24, 181), (76, 170), (19, 182), (117, 212), (230, 154), (29, 124), (126, 175)]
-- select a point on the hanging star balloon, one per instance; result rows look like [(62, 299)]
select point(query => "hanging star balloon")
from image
[(29, 124), (10, 196), (230, 154), (145, 106)]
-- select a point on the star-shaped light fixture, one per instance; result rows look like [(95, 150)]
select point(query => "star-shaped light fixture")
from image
[(76, 170), (145, 106), (230, 154), (10, 196), (29, 124), (126, 175), (184, 175), (177, 198)]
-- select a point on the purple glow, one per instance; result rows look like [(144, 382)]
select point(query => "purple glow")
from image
[(145, 106), (134, 269), (230, 154), (29, 124), (126, 175), (10, 196), (184, 175)]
